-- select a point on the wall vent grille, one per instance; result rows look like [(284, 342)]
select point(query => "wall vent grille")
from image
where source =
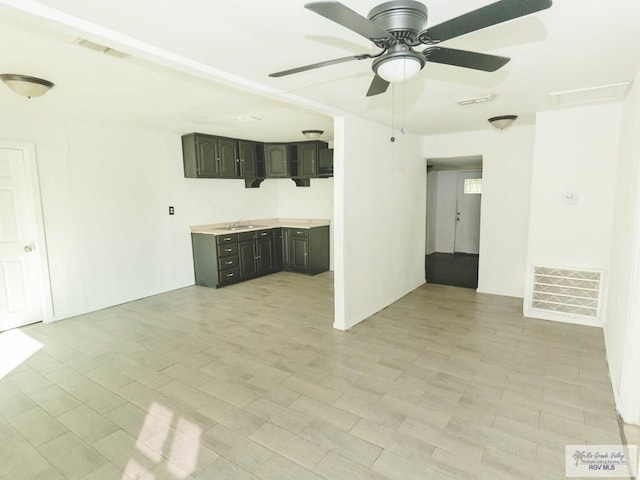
[(566, 291)]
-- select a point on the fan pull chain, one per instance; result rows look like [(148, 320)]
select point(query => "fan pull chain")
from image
[(393, 96), (403, 129)]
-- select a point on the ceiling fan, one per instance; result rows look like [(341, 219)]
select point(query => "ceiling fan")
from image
[(396, 27)]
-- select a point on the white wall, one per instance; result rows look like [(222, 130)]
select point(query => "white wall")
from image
[(575, 153), (622, 328), (506, 166), (379, 216), (105, 195)]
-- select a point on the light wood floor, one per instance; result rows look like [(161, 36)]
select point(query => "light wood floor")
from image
[(251, 381)]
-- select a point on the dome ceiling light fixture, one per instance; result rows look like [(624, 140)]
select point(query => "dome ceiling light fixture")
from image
[(26, 85), (312, 134), (503, 121)]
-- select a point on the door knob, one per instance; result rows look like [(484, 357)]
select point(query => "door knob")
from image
[(29, 248)]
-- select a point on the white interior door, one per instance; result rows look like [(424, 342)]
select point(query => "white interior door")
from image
[(20, 273), (467, 236)]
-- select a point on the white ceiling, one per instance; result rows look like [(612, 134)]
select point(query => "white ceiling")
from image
[(197, 64)]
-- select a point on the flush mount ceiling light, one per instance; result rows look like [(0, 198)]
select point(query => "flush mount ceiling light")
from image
[(26, 85), (503, 121), (312, 134)]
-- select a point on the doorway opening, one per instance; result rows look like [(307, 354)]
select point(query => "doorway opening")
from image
[(454, 192)]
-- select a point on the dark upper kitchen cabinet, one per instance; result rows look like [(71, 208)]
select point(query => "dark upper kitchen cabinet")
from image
[(247, 159), (228, 158), (207, 156), (307, 160), (276, 160), (312, 160), (325, 162), (210, 156), (200, 154)]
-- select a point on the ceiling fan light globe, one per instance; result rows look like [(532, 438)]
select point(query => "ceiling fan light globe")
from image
[(399, 69)]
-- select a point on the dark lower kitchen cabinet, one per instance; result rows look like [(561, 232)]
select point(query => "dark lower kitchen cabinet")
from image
[(276, 160), (221, 260), (255, 252), (277, 249), (306, 250), (247, 255), (215, 259)]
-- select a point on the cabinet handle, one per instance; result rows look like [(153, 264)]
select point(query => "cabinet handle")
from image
[(228, 263), (230, 274), (263, 234), (228, 249), (299, 232), (226, 239)]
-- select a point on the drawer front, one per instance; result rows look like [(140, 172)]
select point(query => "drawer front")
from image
[(244, 236), (264, 233), (229, 276), (225, 263), (227, 250), (225, 239)]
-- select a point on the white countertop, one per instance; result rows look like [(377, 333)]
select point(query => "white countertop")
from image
[(243, 226)]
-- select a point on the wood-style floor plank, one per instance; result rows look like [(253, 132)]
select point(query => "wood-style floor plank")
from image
[(252, 382)]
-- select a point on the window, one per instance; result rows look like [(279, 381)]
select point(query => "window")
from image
[(473, 185)]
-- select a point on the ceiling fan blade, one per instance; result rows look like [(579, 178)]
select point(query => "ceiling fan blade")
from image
[(320, 65), (378, 85), (463, 58), (343, 15), (492, 14)]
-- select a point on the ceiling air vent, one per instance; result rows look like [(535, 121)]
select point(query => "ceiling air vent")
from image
[(602, 93), (566, 291), (97, 47)]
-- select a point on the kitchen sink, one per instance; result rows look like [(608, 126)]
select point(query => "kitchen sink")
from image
[(243, 227)]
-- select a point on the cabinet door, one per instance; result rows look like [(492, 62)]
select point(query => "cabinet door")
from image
[(307, 160), (247, 154), (286, 248), (299, 252), (207, 157), (264, 250), (278, 249), (247, 257), (276, 161), (228, 158)]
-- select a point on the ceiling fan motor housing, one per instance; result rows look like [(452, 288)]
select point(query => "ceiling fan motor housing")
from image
[(403, 19)]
